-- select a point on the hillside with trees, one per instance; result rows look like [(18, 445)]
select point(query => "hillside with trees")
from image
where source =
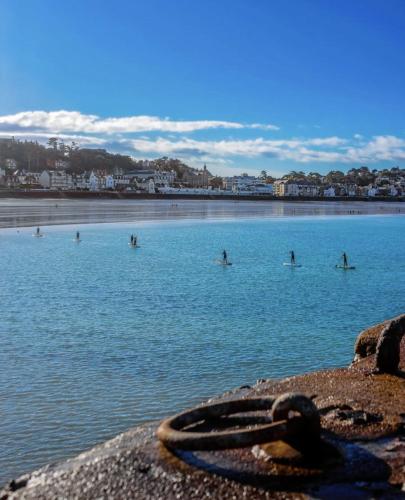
[(362, 176), (34, 157)]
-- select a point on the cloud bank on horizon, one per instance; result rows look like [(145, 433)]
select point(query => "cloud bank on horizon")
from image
[(175, 138), (74, 121)]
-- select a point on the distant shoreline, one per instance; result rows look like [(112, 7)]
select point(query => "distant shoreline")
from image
[(117, 195)]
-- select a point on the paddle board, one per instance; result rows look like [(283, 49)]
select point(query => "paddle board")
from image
[(222, 263)]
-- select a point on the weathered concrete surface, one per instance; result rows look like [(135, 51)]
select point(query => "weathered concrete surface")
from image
[(362, 416)]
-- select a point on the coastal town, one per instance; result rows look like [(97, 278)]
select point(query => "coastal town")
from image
[(58, 167), (202, 247)]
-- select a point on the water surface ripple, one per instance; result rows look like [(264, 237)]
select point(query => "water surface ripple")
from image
[(97, 337)]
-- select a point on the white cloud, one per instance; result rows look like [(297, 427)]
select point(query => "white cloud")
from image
[(294, 149), (327, 141), (313, 150), (127, 134), (379, 148), (56, 122)]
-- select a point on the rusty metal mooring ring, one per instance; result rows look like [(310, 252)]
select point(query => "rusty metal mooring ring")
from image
[(171, 435), (299, 403)]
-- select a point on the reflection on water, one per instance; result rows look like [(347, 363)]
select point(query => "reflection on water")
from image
[(20, 212)]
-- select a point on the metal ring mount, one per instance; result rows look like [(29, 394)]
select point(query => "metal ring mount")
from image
[(171, 434), (296, 402)]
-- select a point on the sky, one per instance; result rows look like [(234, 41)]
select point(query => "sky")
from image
[(241, 85)]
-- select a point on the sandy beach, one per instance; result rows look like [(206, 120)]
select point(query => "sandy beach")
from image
[(29, 212)]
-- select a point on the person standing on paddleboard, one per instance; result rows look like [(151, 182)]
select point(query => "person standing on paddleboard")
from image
[(292, 258), (345, 263)]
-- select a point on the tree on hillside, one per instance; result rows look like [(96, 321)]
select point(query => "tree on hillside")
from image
[(361, 176), (53, 143), (72, 148), (293, 175), (335, 177), (315, 178), (62, 148)]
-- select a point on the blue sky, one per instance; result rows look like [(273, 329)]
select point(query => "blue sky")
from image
[(241, 85)]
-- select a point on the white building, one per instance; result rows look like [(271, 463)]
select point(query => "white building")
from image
[(19, 176), (285, 188), (151, 186), (194, 191), (29, 179), (330, 192), (45, 179), (52, 179), (295, 188), (159, 177), (164, 178), (243, 182), (246, 184), (140, 175), (94, 182), (261, 188), (109, 182), (121, 181)]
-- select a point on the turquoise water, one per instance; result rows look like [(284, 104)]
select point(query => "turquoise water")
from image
[(97, 337)]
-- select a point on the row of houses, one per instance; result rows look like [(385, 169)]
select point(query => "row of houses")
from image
[(308, 189), (250, 185), (193, 182), (56, 177), (60, 180)]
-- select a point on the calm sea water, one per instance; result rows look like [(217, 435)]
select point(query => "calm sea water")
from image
[(97, 337)]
